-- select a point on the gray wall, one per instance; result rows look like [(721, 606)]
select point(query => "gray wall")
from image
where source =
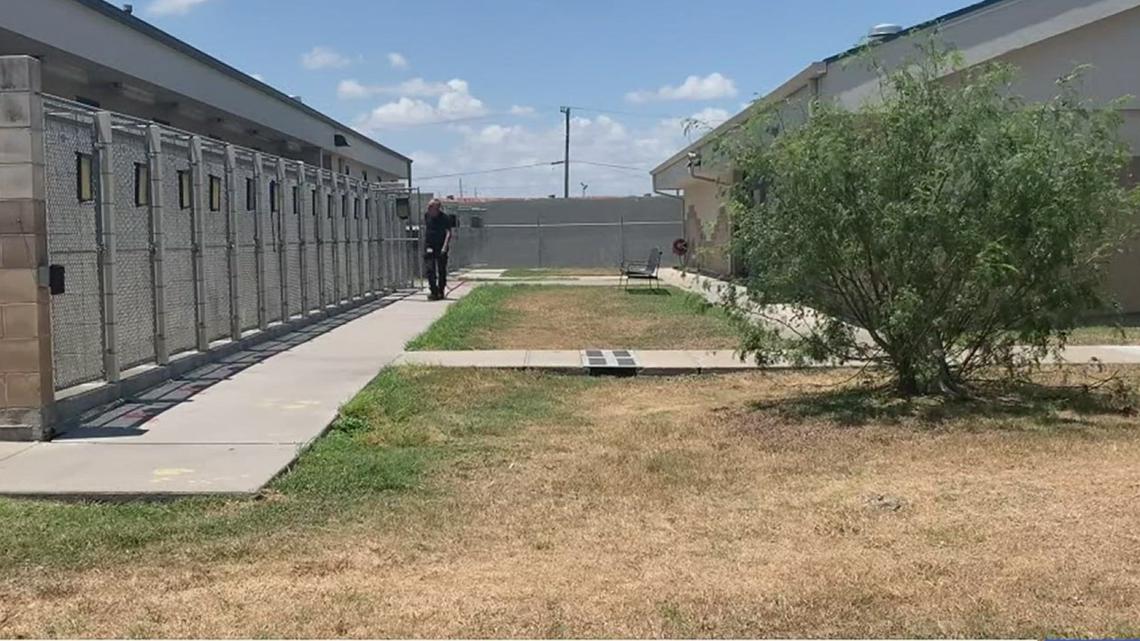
[(575, 232)]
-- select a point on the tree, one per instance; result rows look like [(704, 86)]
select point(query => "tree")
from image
[(946, 227)]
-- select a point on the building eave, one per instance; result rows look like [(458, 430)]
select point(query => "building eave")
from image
[(149, 30)]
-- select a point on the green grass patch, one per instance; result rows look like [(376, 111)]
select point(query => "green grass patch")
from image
[(381, 449), (1105, 335), (460, 325), (531, 273)]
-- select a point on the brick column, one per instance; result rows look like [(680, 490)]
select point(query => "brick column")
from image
[(26, 385)]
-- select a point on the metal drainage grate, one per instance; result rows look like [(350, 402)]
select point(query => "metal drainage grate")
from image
[(617, 362)]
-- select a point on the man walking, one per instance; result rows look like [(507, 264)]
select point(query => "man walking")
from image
[(437, 242)]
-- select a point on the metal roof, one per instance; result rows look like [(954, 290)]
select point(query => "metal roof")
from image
[(144, 27), (814, 69)]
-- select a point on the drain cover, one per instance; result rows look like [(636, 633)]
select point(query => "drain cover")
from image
[(616, 360)]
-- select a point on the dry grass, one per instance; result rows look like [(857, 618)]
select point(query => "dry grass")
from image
[(608, 318), (744, 505)]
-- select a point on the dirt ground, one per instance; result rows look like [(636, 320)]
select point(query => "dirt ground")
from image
[(746, 505)]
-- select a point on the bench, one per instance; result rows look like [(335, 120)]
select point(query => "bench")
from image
[(642, 271)]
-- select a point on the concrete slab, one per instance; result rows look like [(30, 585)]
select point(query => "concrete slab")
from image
[(667, 362), (556, 360), (65, 470), (494, 359), (1120, 354), (724, 360), (9, 449)]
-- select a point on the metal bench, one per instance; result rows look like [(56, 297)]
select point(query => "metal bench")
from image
[(642, 271)]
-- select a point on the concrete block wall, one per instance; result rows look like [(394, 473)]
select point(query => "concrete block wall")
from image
[(26, 388)]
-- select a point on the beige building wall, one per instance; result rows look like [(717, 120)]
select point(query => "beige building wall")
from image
[(1110, 46)]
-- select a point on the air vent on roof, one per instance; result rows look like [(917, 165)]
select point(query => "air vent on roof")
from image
[(340, 141), (883, 31)]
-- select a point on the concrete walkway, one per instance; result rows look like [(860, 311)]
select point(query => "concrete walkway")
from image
[(675, 361), (217, 431)]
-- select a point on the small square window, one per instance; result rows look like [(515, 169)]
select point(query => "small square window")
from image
[(215, 193), (184, 189), (84, 178), (142, 184), (250, 195), (273, 207)]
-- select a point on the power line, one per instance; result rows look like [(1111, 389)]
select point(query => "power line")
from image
[(635, 114), (606, 164), (489, 171)]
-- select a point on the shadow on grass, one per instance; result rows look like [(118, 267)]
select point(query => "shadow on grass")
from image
[(1020, 405), (648, 291)]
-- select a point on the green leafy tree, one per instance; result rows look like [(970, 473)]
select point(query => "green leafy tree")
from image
[(943, 228)]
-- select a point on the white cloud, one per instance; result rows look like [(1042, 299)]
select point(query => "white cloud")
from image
[(455, 102), (711, 87), (397, 60), (414, 88), (351, 89), (520, 110), (324, 58), (172, 7)]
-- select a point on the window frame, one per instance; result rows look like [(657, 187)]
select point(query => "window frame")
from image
[(250, 194), (215, 192), (142, 184), (184, 189), (84, 188)]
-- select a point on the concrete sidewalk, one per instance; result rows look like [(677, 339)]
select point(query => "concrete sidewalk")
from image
[(219, 431), (677, 361)]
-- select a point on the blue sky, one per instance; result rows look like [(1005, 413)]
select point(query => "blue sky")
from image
[(466, 86)]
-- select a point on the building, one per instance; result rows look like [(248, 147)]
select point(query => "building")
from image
[(160, 209), (1044, 39), (101, 55)]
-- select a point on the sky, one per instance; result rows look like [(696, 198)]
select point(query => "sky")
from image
[(475, 87)]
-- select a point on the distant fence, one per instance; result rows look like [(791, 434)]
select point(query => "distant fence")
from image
[(575, 232), (169, 242)]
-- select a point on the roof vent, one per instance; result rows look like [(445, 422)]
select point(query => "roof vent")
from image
[(128, 9), (883, 31), (340, 141)]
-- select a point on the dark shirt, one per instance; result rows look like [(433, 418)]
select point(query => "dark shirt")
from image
[(437, 227)]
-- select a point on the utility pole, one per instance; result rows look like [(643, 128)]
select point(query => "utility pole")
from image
[(461, 189), (566, 159)]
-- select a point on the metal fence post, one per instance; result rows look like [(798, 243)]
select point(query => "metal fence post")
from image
[(259, 239), (334, 206), (232, 243), (319, 214), (157, 241), (370, 220), (360, 211), (302, 243), (105, 234), (198, 244), (282, 243)]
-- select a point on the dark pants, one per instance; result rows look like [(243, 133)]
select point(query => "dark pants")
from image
[(435, 267)]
